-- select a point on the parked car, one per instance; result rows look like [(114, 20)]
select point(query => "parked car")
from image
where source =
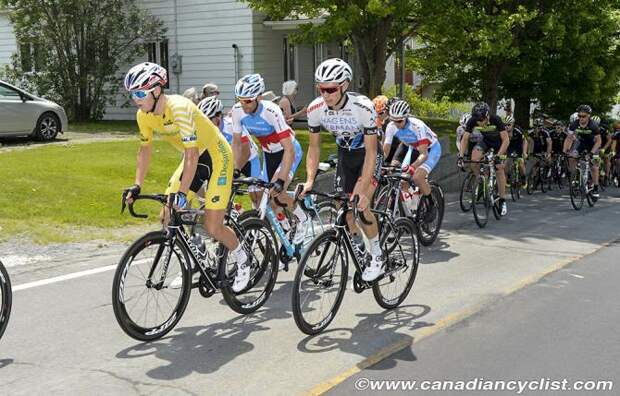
[(23, 114)]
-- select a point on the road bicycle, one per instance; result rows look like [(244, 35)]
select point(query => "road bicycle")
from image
[(540, 175), (6, 298), (485, 194), (515, 179), (581, 183), (400, 197), (322, 274), (156, 270), (320, 215)]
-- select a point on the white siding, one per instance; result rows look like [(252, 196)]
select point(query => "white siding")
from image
[(206, 32), (7, 40)]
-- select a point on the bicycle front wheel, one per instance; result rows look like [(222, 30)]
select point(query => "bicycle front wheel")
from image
[(151, 286), (319, 283), (259, 243), (465, 194), (480, 200), (577, 193), (401, 265), (6, 298)]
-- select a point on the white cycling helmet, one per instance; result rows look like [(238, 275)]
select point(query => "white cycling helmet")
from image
[(464, 119), (210, 106), (145, 76), (333, 70), (399, 109), (250, 86), (574, 117)]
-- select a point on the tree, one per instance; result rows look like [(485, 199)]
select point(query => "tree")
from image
[(376, 28), (558, 53), (83, 44), (470, 44)]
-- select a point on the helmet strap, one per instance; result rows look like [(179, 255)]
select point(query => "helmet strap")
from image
[(156, 101)]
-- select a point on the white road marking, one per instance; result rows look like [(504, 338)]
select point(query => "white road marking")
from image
[(62, 278)]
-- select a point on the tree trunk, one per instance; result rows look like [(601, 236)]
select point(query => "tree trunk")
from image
[(371, 49), (522, 111), (491, 78)]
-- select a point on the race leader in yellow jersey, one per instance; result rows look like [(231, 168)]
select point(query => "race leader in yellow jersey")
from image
[(184, 126)]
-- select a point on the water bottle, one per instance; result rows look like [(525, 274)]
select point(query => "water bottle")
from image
[(286, 226), (411, 198)]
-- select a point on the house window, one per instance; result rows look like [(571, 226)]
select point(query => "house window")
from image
[(31, 57), (157, 52), (289, 59)]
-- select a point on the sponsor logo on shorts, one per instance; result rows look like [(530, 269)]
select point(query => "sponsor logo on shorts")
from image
[(215, 199), (221, 181)]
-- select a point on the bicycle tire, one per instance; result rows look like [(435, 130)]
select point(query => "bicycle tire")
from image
[(318, 250), (401, 226), (243, 302), (427, 236), (129, 326), (576, 191), (464, 193), (481, 212), (6, 299)]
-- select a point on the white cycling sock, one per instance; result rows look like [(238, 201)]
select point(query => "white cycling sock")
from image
[(375, 247), (300, 214), (239, 254)]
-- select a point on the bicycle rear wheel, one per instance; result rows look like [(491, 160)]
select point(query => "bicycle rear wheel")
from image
[(401, 265), (427, 232), (465, 194), (318, 293), (6, 298), (259, 244), (146, 303), (480, 199), (577, 193)]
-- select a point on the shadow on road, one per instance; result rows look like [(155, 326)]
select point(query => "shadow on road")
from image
[(372, 330), (5, 362), (27, 141)]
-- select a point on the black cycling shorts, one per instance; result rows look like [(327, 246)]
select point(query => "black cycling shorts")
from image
[(349, 169)]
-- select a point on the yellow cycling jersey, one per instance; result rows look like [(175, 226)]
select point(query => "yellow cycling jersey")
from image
[(182, 125)]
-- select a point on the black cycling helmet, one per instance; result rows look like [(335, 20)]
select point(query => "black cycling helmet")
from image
[(584, 109), (480, 111)]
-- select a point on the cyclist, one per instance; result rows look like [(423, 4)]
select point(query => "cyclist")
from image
[(583, 135), (207, 157), (390, 152), (615, 147), (494, 136), (281, 151), (351, 118), (541, 139), (415, 134), (212, 107), (518, 145), (606, 139)]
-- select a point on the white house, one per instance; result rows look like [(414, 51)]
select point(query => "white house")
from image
[(220, 41)]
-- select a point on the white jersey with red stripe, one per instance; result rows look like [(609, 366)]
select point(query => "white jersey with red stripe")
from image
[(356, 118), (415, 133), (267, 123)]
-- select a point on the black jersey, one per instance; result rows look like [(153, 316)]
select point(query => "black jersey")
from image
[(539, 137), (490, 133), (585, 134)]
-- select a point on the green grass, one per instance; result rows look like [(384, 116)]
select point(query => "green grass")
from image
[(51, 192), (65, 193), (121, 127)]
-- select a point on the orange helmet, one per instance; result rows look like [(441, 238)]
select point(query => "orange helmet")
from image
[(380, 103)]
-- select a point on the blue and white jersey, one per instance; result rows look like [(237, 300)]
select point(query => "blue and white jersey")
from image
[(415, 133), (267, 123), (226, 129), (349, 124)]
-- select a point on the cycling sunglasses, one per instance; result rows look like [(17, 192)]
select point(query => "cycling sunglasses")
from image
[(140, 94), (329, 90), (246, 101)]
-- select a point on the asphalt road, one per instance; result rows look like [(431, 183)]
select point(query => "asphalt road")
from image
[(63, 337), (563, 328)]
